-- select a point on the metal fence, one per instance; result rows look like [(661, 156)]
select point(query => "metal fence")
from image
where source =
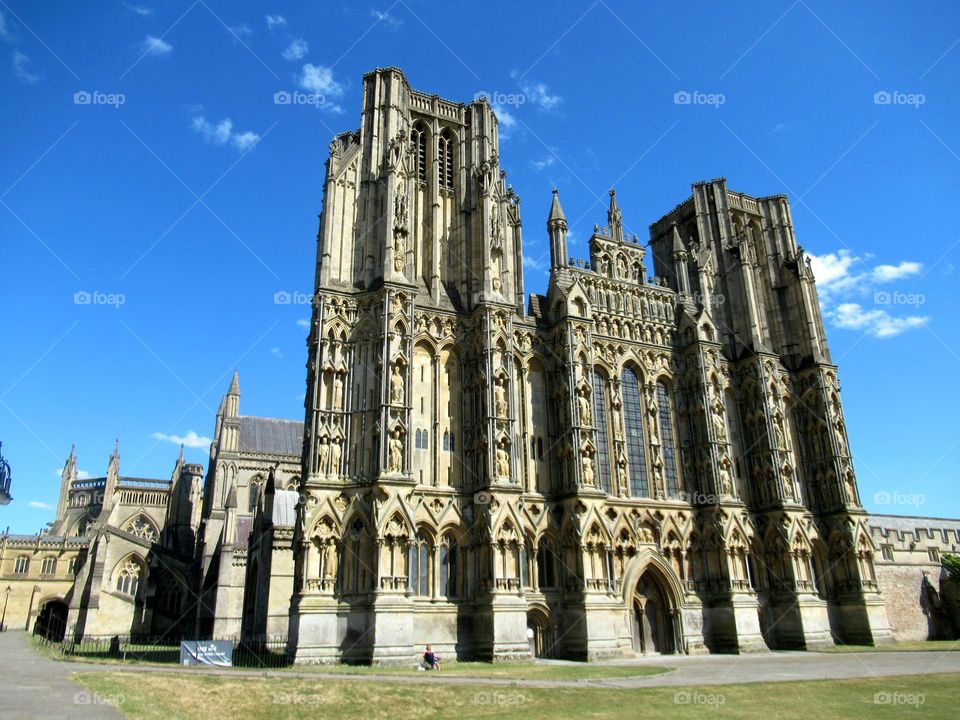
[(247, 652)]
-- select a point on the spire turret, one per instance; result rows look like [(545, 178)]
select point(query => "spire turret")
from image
[(557, 230)]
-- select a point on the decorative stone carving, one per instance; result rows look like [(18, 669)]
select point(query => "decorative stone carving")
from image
[(586, 464), (399, 252), (338, 391), (583, 404), (323, 451), (501, 406), (503, 462), (397, 386), (395, 463), (335, 452)]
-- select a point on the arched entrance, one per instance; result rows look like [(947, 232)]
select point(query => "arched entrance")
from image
[(52, 620), (653, 616), (541, 634)]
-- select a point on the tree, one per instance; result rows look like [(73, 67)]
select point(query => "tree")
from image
[(951, 564)]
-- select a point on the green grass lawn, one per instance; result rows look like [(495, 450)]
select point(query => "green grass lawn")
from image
[(514, 670), (149, 696), (907, 646)]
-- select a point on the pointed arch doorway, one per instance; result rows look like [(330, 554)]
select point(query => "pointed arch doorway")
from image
[(653, 616)]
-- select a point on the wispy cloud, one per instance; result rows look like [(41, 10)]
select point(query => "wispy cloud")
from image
[(240, 31), (157, 47), (848, 285), (303, 322), (4, 33), (534, 263), (386, 19), (40, 505), (141, 10), (506, 119), (20, 62), (319, 80), (276, 352), (296, 50), (190, 440), (543, 163), (223, 133), (275, 21), (537, 93)]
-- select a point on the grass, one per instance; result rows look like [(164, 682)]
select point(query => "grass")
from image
[(906, 646), (156, 696), (513, 670)]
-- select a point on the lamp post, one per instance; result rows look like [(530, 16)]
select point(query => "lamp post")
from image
[(3, 618)]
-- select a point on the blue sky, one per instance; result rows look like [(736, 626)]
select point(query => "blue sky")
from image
[(148, 167)]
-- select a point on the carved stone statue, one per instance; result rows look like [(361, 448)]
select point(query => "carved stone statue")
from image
[(338, 392), (500, 400), (726, 485), (400, 212), (617, 422), (503, 462), (399, 252), (719, 426), (778, 434), (583, 404), (396, 452), (323, 451), (587, 465), (335, 451), (841, 440), (396, 386), (329, 561)]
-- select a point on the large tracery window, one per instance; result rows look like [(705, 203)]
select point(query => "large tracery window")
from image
[(669, 447), (445, 156), (600, 422), (633, 422), (448, 568), (419, 565), (128, 579), (418, 137)]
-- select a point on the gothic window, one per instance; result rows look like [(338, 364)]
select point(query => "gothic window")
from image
[(21, 565), (633, 426), (72, 566), (419, 565), (886, 552), (169, 596), (533, 448), (128, 579), (934, 555), (546, 565), (254, 497), (603, 439), (49, 566), (539, 448), (448, 568), (669, 447), (423, 439), (446, 440), (445, 152), (142, 528), (418, 136)]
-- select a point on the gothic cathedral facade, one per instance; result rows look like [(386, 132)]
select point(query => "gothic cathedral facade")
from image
[(652, 457)]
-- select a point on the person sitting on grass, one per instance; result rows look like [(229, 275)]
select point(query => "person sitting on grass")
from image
[(431, 659)]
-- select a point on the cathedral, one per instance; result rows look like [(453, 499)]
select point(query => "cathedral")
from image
[(651, 457)]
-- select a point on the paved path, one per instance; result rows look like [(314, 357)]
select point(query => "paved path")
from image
[(35, 687)]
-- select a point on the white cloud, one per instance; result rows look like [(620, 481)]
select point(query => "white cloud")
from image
[(20, 62), (155, 46), (537, 93), (275, 21), (319, 80), (304, 323), (40, 505), (886, 273), (190, 440), (141, 10), (534, 263), (388, 20), (240, 31), (4, 33), (546, 162), (82, 475), (878, 323), (507, 121), (777, 129), (846, 283), (277, 353), (296, 50), (222, 133)]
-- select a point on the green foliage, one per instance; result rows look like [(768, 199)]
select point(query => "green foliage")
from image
[(951, 563)]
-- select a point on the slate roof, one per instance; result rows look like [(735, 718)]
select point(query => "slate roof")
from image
[(271, 436)]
